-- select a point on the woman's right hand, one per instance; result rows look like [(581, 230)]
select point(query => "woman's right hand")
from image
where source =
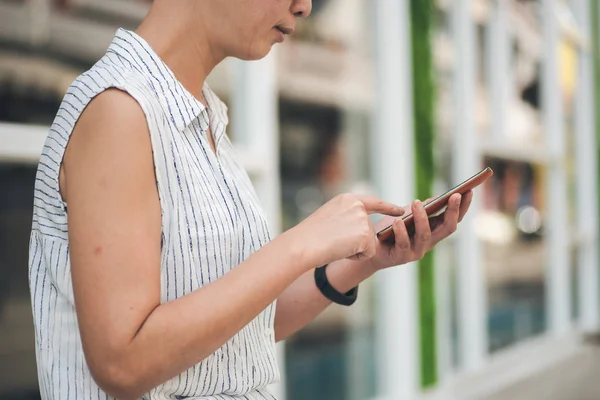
[(341, 228)]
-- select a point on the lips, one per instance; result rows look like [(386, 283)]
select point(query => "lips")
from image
[(284, 30)]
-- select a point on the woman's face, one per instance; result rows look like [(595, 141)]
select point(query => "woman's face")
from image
[(247, 29)]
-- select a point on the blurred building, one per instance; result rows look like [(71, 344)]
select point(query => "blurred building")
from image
[(325, 98)]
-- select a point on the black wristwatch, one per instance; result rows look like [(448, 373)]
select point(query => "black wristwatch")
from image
[(345, 299)]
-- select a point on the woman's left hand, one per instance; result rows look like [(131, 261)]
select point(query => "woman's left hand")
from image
[(428, 232)]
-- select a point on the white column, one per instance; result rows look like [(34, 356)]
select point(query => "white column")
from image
[(557, 237), (443, 261), (472, 309), (443, 291), (393, 166), (499, 70), (587, 175), (256, 124)]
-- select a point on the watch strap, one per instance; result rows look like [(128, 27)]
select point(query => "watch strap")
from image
[(345, 299)]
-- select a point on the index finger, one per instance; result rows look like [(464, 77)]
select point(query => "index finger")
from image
[(374, 205)]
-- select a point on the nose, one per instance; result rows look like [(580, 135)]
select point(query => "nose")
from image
[(301, 8)]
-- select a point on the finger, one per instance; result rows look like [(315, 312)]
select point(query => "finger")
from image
[(371, 247), (401, 237), (421, 241), (465, 204), (388, 220), (384, 222), (450, 218), (436, 222), (374, 205)]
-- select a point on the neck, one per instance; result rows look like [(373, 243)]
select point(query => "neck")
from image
[(181, 42)]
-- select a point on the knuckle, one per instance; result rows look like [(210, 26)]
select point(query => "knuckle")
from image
[(359, 204), (347, 197), (342, 198), (361, 238), (403, 245), (362, 235), (425, 237)]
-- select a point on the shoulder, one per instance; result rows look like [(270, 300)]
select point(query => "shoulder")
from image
[(111, 136), (113, 112), (113, 71)]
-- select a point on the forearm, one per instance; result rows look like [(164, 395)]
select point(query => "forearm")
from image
[(181, 333), (302, 301)]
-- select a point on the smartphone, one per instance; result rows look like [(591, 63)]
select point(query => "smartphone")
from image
[(438, 204)]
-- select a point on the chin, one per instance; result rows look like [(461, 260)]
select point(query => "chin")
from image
[(256, 53)]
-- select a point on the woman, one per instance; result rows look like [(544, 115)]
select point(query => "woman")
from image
[(159, 279)]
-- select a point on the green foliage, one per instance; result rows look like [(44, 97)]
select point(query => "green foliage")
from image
[(422, 13)]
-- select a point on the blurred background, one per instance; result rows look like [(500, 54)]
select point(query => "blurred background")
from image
[(400, 98)]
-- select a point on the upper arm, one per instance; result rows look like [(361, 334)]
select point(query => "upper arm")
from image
[(114, 223)]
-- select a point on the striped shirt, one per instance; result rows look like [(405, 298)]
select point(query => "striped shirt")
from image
[(211, 222)]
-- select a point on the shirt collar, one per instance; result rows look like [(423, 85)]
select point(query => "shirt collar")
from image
[(177, 102)]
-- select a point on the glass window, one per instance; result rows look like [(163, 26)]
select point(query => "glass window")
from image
[(17, 352), (512, 222), (511, 229), (324, 152)]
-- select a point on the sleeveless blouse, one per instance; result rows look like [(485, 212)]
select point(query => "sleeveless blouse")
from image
[(211, 222)]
